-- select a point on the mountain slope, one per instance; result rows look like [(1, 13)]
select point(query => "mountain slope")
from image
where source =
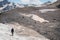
[(6, 35), (5, 5)]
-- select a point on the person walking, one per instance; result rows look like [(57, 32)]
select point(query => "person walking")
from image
[(12, 31)]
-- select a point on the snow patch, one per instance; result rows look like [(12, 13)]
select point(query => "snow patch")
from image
[(37, 18), (47, 10)]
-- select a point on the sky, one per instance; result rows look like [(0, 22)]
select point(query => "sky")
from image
[(31, 1)]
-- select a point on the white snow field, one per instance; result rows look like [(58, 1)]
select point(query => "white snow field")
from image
[(6, 35), (47, 10)]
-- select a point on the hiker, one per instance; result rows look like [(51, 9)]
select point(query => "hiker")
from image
[(12, 31)]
